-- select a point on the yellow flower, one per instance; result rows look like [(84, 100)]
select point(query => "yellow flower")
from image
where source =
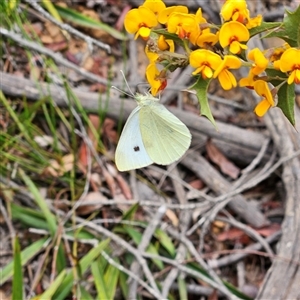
[(199, 16), (235, 10), (248, 81), (262, 89), (164, 15), (225, 77), (195, 34), (274, 54), (152, 56), (155, 5), (231, 34), (140, 21), (157, 79), (183, 25), (290, 62), (207, 39), (165, 44), (205, 61), (254, 22), (260, 62)]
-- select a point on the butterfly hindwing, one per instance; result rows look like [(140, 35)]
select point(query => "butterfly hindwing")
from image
[(131, 152), (164, 136)]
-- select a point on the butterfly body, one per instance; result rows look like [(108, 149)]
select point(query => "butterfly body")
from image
[(152, 134)]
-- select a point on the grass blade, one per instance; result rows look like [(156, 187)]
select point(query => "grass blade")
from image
[(17, 284)]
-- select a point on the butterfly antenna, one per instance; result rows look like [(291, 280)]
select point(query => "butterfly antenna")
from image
[(127, 83), (121, 91)]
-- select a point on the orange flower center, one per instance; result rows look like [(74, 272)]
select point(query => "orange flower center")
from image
[(233, 39)]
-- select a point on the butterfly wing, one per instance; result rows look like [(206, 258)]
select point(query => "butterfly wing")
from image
[(130, 152), (165, 137)]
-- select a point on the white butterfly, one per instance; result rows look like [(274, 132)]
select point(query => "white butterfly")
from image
[(152, 134)]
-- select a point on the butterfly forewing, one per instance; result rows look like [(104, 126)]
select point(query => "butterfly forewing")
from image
[(165, 137), (131, 152)]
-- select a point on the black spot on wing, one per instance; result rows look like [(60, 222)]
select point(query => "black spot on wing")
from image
[(136, 148)]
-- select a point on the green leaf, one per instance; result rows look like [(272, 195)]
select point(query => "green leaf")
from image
[(286, 101), (137, 237), (124, 284), (200, 88), (34, 218), (26, 255), (17, 284), (111, 279), (84, 264), (172, 36), (129, 214), (48, 294), (84, 294), (290, 30), (165, 241), (79, 19), (182, 288), (50, 218), (98, 275), (264, 27)]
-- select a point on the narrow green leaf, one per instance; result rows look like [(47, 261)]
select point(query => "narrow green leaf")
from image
[(98, 275), (17, 284), (286, 101), (85, 294), (200, 87), (51, 9), (264, 27), (232, 288), (84, 264), (137, 237), (165, 241), (50, 218), (182, 288), (111, 279), (79, 19), (124, 284), (48, 294), (129, 214), (15, 117), (36, 219), (26, 255)]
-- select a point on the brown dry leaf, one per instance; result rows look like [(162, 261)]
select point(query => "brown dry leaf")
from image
[(109, 130), (172, 217), (124, 187), (57, 46), (82, 156), (230, 234), (213, 295), (46, 39), (269, 230), (197, 184), (57, 169), (34, 27), (96, 182), (109, 175), (216, 156), (92, 202), (3, 296)]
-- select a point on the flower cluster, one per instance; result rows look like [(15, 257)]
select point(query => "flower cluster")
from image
[(213, 50)]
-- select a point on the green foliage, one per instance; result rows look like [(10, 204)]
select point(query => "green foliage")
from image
[(82, 20), (17, 284), (286, 101), (290, 28), (26, 255), (201, 87)]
